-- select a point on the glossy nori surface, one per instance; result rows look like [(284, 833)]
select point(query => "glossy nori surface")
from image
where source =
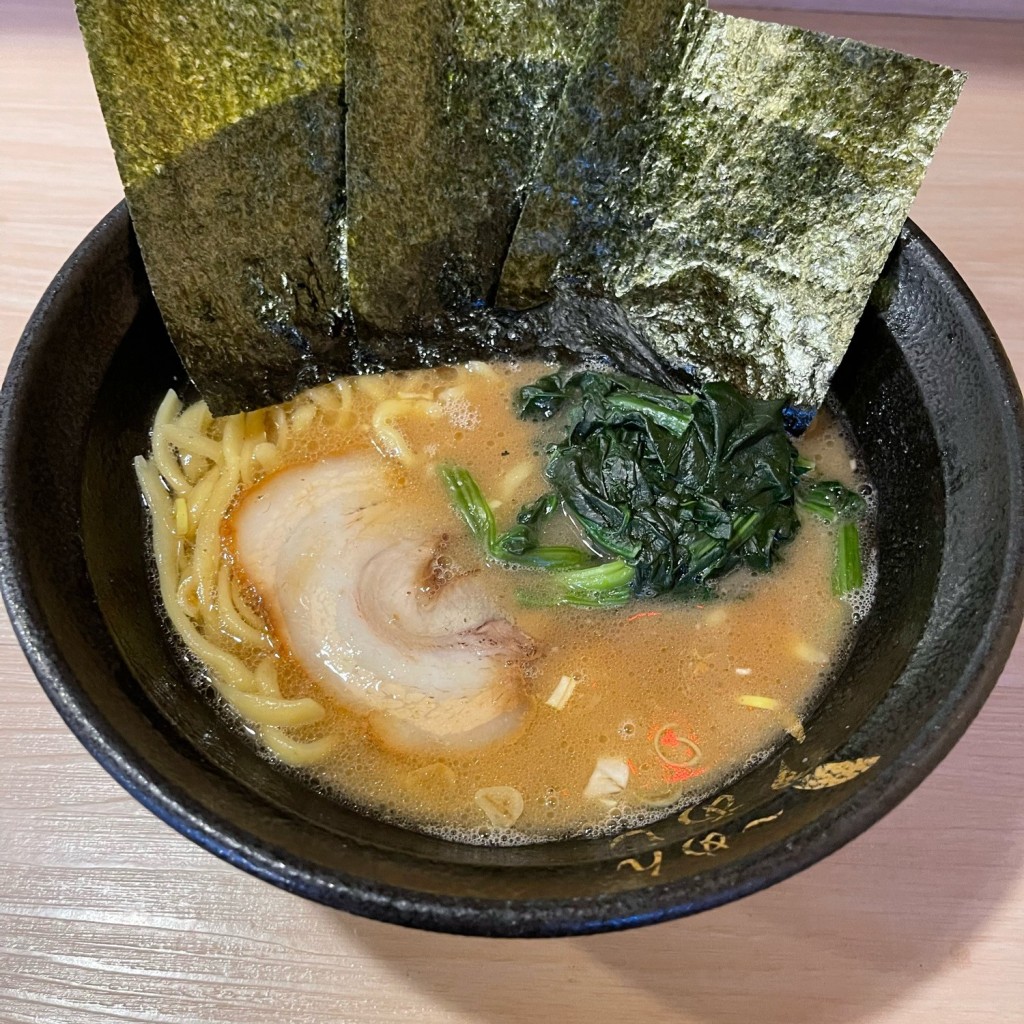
[(227, 122), (586, 206), (293, 171), (449, 107), (737, 190), (931, 401)]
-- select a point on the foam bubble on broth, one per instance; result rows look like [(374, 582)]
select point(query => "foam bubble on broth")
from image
[(647, 665)]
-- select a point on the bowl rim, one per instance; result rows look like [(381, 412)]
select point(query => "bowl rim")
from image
[(473, 915)]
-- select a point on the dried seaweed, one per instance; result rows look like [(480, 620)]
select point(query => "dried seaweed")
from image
[(779, 171), (449, 105), (227, 123), (571, 330), (583, 209), (728, 189)]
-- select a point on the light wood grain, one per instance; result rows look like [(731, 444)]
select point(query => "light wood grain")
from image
[(107, 915), (1005, 9)]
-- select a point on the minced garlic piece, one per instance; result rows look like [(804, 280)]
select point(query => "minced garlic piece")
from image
[(561, 693), (610, 777), (503, 805)]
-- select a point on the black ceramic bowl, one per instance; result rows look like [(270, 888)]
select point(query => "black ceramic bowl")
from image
[(934, 407)]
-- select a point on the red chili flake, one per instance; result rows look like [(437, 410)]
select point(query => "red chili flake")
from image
[(631, 766), (669, 738), (680, 773), (643, 615), (657, 725)]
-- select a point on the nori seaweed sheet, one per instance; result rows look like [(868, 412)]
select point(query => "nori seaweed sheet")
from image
[(227, 122), (569, 330), (583, 208), (449, 104), (776, 176), (733, 186)]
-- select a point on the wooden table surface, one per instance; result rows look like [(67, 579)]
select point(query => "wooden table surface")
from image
[(108, 915)]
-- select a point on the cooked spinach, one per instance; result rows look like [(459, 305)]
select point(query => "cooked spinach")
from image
[(574, 577), (605, 585), (676, 488), (516, 547), (848, 573), (684, 487), (830, 500)]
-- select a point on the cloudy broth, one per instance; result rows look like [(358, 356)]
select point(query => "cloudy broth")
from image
[(629, 711)]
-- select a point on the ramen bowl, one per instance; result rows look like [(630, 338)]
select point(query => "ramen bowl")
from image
[(930, 400)]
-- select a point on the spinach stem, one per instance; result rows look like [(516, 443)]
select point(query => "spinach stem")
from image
[(676, 422), (467, 499), (849, 573), (597, 586), (469, 502)]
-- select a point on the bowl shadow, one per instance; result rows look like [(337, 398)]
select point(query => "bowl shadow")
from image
[(855, 933)]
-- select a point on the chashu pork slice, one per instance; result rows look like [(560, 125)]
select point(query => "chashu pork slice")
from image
[(345, 575)]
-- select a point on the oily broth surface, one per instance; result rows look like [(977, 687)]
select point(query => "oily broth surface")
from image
[(654, 682)]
